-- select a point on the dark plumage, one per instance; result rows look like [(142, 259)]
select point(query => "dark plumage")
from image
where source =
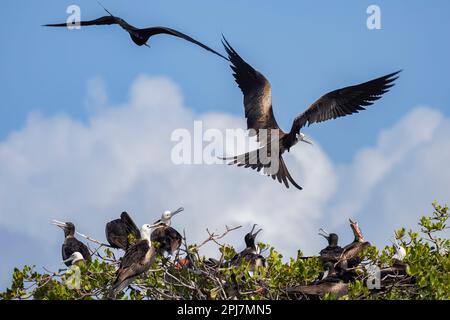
[(118, 231), (139, 36), (168, 238), (258, 111), (329, 283), (137, 260), (250, 253), (71, 244), (333, 251), (349, 257)]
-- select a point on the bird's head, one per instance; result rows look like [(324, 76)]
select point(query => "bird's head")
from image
[(146, 229), (332, 238), (167, 215), (68, 227), (400, 252), (301, 137), (74, 258), (250, 237), (356, 231)]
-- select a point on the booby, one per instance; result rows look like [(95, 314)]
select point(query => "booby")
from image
[(251, 252), (261, 121), (71, 244), (137, 260), (168, 238), (118, 231)]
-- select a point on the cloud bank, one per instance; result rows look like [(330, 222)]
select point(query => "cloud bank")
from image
[(88, 172)]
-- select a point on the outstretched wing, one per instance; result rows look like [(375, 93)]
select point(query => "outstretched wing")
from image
[(141, 36), (345, 101), (257, 93), (106, 20)]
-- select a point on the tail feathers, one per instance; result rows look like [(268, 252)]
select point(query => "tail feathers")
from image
[(252, 159), (119, 286)]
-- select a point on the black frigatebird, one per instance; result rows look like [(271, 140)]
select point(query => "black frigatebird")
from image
[(118, 231), (71, 244), (349, 257), (332, 251), (262, 123), (250, 253), (329, 283), (138, 35), (137, 260), (168, 238)]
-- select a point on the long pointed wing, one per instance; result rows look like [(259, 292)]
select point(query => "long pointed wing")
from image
[(106, 20), (257, 92), (131, 226), (345, 101), (145, 34)]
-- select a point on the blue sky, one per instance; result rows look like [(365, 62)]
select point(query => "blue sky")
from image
[(305, 48)]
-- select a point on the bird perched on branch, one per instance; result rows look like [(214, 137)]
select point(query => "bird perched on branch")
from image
[(251, 252), (71, 244), (118, 231), (333, 251), (168, 238), (137, 260), (139, 36), (329, 283), (350, 256), (261, 121)]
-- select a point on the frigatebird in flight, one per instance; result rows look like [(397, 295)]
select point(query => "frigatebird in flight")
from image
[(258, 111), (139, 36)]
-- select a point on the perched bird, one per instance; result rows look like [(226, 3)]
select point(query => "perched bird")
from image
[(262, 123), (118, 231), (71, 244), (168, 238), (329, 283), (74, 259), (396, 272), (137, 260), (349, 257), (139, 36), (250, 253), (333, 251)]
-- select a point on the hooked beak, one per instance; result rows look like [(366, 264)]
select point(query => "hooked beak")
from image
[(67, 260), (323, 233), (306, 141), (58, 223), (181, 209), (256, 233)]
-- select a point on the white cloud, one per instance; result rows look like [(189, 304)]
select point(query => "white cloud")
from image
[(57, 167)]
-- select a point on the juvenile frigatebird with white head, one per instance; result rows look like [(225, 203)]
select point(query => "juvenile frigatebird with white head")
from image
[(71, 244), (74, 259), (168, 238), (139, 36), (262, 123), (137, 260)]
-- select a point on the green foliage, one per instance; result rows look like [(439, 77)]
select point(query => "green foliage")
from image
[(427, 259)]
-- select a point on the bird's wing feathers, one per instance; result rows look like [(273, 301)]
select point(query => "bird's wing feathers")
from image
[(344, 101), (106, 20), (257, 92), (135, 253), (131, 226), (145, 34)]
